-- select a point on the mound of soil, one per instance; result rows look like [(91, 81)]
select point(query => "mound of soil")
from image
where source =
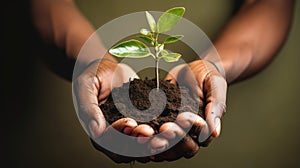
[(178, 99)]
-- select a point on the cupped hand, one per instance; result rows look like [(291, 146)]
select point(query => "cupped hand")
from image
[(93, 86), (209, 88)]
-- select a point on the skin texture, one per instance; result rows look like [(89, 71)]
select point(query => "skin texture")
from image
[(246, 44)]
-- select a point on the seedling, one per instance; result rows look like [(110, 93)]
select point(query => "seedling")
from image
[(136, 49)]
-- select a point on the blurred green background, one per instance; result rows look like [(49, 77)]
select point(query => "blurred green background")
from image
[(260, 128)]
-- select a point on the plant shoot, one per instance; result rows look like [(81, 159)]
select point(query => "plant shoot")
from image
[(136, 49)]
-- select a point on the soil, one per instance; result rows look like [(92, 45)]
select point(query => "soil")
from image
[(139, 91)]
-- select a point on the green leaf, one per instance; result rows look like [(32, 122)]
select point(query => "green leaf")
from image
[(164, 52), (145, 32), (131, 49), (147, 39), (171, 57), (172, 39), (151, 21), (169, 19)]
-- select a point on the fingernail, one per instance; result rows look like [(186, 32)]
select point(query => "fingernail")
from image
[(169, 134), (141, 139), (218, 125), (132, 122), (127, 130), (93, 126), (185, 124)]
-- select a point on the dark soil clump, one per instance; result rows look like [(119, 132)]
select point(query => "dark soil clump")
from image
[(178, 99)]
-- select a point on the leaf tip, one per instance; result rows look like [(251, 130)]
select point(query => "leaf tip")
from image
[(151, 21)]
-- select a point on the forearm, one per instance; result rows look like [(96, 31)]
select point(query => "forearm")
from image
[(253, 37), (59, 22)]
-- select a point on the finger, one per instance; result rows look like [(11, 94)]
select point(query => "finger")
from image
[(186, 147), (110, 144), (213, 119), (125, 125), (158, 144), (111, 136), (85, 90), (215, 88), (171, 130), (171, 77), (188, 119), (143, 132), (97, 124), (198, 127), (206, 142)]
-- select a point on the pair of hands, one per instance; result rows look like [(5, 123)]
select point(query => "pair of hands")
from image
[(209, 89)]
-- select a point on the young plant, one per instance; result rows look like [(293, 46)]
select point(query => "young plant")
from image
[(136, 49)]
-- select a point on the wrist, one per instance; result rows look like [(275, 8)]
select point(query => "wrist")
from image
[(214, 59), (235, 61)]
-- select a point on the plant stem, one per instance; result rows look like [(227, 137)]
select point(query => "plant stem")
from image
[(156, 61), (157, 73), (156, 68)]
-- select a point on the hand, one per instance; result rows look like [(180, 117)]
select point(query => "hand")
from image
[(209, 89), (92, 87)]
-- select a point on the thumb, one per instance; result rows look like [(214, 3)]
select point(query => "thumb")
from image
[(97, 123), (215, 88), (85, 94), (213, 118)]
